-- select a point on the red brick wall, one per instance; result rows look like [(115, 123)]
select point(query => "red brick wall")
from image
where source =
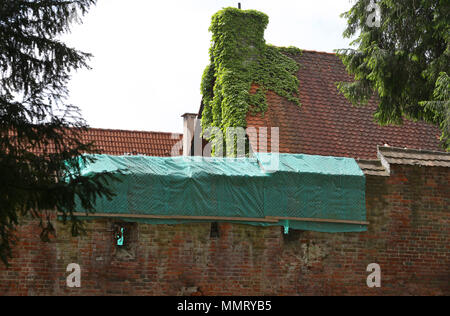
[(408, 237)]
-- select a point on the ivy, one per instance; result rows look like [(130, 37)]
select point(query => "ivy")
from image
[(240, 57)]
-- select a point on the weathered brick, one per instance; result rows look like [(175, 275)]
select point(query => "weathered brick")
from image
[(408, 237)]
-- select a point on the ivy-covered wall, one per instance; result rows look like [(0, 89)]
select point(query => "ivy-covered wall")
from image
[(240, 57)]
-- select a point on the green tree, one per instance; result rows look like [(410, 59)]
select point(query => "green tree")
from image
[(402, 56), (40, 134)]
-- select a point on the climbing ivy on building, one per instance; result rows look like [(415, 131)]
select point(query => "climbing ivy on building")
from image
[(239, 58)]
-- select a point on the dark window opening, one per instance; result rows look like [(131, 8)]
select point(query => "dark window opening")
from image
[(214, 233), (293, 235)]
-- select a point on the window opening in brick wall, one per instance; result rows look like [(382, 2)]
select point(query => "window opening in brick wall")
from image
[(125, 240), (293, 235), (214, 233)]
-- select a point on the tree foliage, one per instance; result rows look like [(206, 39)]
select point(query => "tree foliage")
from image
[(404, 59), (40, 133), (240, 57)]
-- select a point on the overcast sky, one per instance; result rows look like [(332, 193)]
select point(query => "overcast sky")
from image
[(149, 55)]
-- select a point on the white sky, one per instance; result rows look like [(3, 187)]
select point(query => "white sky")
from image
[(149, 55)]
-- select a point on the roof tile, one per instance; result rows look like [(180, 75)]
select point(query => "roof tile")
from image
[(327, 124), (126, 142)]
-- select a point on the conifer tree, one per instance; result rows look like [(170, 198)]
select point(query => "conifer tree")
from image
[(40, 133), (403, 56)]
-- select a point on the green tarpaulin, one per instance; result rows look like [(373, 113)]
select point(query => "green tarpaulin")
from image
[(297, 191)]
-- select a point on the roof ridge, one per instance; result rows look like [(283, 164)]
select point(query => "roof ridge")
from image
[(318, 52), (415, 150), (131, 131)]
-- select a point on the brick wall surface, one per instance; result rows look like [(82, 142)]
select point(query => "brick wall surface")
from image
[(408, 237)]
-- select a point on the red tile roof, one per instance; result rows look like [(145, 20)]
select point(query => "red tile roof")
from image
[(327, 124), (123, 142)]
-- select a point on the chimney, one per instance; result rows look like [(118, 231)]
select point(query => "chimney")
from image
[(189, 122)]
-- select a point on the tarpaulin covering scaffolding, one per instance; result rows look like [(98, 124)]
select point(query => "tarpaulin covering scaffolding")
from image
[(304, 192)]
